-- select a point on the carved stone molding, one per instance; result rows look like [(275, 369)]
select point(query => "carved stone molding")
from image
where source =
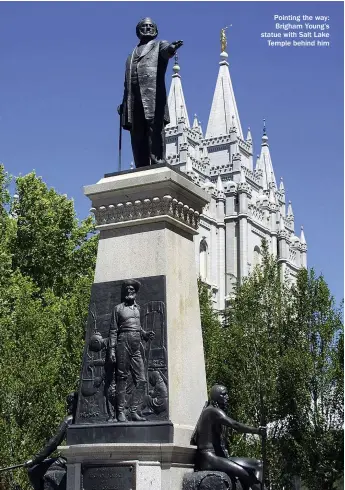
[(256, 212), (146, 208), (283, 235), (244, 187)]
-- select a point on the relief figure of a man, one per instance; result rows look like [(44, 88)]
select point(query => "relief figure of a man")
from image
[(126, 351)]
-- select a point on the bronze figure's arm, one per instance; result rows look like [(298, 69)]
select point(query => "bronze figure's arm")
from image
[(242, 428), (169, 49), (52, 444)]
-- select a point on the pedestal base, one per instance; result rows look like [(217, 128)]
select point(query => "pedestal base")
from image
[(127, 466), (147, 220)]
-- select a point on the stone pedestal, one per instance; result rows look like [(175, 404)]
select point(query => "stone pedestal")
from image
[(147, 220), (128, 466)]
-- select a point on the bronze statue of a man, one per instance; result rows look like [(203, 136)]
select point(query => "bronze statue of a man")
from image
[(125, 346), (144, 111), (211, 446)]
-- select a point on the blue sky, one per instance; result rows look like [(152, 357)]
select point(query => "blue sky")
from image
[(61, 79)]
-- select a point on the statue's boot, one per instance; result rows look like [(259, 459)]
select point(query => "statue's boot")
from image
[(136, 417), (121, 417), (137, 400), (121, 400)]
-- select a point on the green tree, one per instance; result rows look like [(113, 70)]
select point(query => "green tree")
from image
[(6, 227), (212, 333), (51, 246), (258, 347), (283, 366), (47, 264), (322, 436)]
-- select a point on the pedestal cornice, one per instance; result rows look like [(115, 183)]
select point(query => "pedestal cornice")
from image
[(164, 453), (140, 184), (151, 195)]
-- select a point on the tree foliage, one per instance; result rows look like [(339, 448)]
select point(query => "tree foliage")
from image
[(322, 440), (212, 336), (47, 260)]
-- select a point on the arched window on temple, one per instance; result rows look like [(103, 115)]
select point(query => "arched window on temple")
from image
[(257, 256), (203, 250)]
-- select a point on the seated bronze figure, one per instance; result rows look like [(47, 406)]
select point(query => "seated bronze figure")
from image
[(212, 454)]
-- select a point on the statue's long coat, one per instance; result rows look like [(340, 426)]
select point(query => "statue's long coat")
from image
[(151, 68)]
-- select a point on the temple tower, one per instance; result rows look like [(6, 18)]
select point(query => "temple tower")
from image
[(246, 204)]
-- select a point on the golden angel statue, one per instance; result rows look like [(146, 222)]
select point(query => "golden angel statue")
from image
[(223, 41)]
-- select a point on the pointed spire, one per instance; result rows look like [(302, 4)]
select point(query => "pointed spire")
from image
[(302, 238), (224, 103), (220, 186), (281, 185), (289, 210), (249, 136), (200, 128), (195, 122), (176, 101), (266, 162)]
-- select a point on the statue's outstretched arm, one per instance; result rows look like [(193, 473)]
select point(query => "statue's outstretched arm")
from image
[(168, 50), (244, 429), (52, 444)]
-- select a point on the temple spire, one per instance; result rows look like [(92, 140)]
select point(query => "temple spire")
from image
[(195, 122), (176, 101), (289, 211), (302, 239), (266, 162), (224, 103), (281, 185), (200, 127)]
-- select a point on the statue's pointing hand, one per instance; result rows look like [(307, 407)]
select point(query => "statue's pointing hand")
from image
[(174, 46)]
